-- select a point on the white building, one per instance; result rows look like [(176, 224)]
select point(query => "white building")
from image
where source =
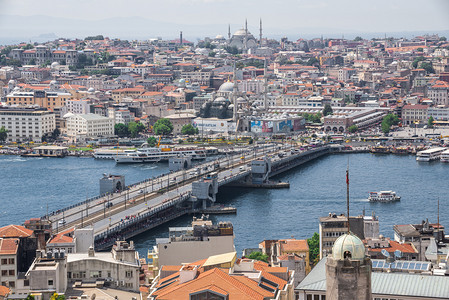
[(120, 267), (83, 126), (121, 115), (76, 106), (26, 123), (439, 93)]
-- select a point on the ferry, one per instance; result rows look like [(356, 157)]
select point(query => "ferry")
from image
[(111, 153), (383, 196), (444, 156), (380, 150), (156, 154), (430, 154)]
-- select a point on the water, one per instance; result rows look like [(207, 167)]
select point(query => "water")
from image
[(317, 188)]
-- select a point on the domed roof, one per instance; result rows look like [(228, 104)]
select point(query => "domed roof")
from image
[(91, 90), (68, 115), (241, 32), (12, 81), (226, 87), (219, 37), (219, 99), (54, 64), (348, 243), (53, 82)]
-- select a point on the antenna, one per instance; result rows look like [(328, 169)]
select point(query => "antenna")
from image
[(347, 194), (385, 253)]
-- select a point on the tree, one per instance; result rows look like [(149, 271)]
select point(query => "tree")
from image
[(327, 110), (27, 47), (188, 129), (419, 49), (30, 297), (443, 39), (428, 67), (152, 141), (430, 122), (32, 61), (163, 127), (55, 133), (96, 38), (314, 248), (353, 128), (388, 121), (3, 134), (121, 130), (417, 60), (135, 128), (358, 39), (57, 297), (258, 256)]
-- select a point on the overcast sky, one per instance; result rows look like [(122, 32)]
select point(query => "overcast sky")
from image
[(348, 15)]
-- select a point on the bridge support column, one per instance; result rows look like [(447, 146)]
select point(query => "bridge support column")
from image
[(260, 170)]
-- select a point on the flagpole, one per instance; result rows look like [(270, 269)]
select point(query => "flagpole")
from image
[(347, 194)]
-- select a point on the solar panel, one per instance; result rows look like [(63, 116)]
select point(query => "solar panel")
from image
[(418, 266), (375, 264), (405, 265), (274, 284), (380, 264), (425, 267), (411, 266), (266, 287), (398, 265)]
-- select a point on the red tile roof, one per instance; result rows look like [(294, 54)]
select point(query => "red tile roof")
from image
[(9, 246), (12, 231)]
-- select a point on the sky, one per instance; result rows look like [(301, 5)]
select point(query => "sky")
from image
[(290, 16)]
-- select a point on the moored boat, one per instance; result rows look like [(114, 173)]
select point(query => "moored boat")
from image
[(383, 196)]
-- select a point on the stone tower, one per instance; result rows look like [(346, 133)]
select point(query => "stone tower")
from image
[(348, 270)]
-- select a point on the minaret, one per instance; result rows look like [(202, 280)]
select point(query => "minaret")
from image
[(265, 86), (180, 38), (246, 35), (234, 94), (229, 31), (260, 33)]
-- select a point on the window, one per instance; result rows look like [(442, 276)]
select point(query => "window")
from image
[(4, 272), (4, 261), (12, 284), (26, 282), (11, 273), (129, 274), (50, 282)]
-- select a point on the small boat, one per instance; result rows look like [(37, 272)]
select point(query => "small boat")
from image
[(380, 150), (383, 196)]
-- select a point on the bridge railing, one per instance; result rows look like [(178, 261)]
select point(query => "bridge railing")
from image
[(142, 216)]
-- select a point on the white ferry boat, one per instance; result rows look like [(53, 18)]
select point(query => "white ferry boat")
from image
[(383, 196), (155, 154), (430, 154), (111, 153), (444, 157)]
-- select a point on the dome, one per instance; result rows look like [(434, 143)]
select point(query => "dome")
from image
[(219, 37), (12, 82), (219, 99), (348, 243), (241, 32), (54, 64), (68, 115), (226, 87), (53, 82), (91, 90)]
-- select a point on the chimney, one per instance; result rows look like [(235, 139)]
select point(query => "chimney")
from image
[(187, 273), (91, 252)]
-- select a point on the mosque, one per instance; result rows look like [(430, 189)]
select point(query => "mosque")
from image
[(243, 39)]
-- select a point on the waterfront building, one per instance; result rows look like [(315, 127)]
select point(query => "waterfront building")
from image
[(223, 277), (179, 120), (46, 99), (120, 267), (412, 114), (188, 244), (439, 93), (82, 126), (333, 226), (78, 106), (26, 123)]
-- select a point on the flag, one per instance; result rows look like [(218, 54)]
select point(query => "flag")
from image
[(347, 177)]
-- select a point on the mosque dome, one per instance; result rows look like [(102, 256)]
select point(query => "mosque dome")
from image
[(241, 32), (54, 65), (348, 244), (226, 87), (219, 37), (12, 82), (91, 90), (220, 99)]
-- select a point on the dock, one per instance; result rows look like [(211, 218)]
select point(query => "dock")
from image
[(219, 210)]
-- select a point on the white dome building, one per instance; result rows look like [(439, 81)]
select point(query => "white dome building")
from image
[(348, 246), (243, 39)]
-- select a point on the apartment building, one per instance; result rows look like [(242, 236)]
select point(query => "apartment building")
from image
[(81, 126), (45, 99)]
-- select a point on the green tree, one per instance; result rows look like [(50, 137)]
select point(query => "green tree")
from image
[(417, 60), (30, 297), (55, 133), (188, 129), (313, 62), (430, 122), (443, 39), (314, 248), (428, 67), (388, 121), (419, 49), (121, 130), (258, 256), (27, 47), (135, 128), (32, 61), (163, 127), (57, 297), (3, 134), (327, 110), (96, 37), (358, 39), (353, 128), (152, 141)]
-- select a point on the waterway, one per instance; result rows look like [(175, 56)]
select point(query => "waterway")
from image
[(28, 185)]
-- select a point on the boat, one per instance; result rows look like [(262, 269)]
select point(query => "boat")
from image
[(136, 157), (161, 153), (380, 149), (383, 196), (110, 153), (444, 157), (401, 150), (430, 154)]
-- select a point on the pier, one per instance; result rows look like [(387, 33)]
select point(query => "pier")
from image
[(155, 201)]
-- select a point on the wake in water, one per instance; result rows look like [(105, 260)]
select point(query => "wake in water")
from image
[(18, 159)]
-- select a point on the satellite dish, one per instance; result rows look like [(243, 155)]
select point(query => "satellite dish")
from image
[(385, 253), (398, 254)]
